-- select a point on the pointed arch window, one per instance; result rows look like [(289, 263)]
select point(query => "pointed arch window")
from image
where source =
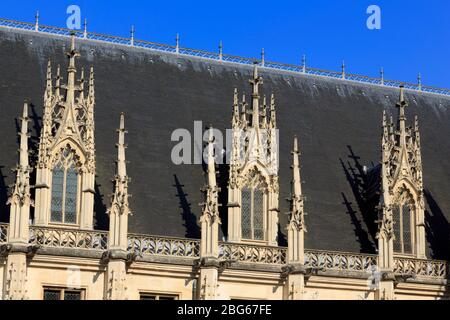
[(253, 207), (64, 193), (403, 215)]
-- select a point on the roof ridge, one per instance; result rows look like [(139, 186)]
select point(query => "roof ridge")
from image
[(222, 57)]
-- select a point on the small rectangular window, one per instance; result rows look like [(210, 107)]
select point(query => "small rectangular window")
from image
[(63, 294), (157, 296), (52, 294)]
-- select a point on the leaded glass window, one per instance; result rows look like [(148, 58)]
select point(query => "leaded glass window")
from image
[(63, 294), (72, 295), (252, 213), (157, 296), (403, 228), (64, 189), (258, 218), (52, 294), (406, 224), (70, 204), (57, 193), (246, 213)]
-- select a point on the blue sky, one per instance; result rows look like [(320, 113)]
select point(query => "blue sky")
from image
[(414, 35)]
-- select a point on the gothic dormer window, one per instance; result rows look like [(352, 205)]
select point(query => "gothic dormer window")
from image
[(64, 192), (253, 185), (65, 175), (401, 224)]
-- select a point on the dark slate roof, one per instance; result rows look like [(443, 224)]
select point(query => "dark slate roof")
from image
[(338, 123)]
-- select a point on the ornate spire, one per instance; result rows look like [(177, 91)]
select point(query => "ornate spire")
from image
[(297, 213), (20, 199), (85, 33), (210, 212), (121, 176), (401, 104), (296, 227), (90, 124), (71, 72), (255, 82), (211, 205), (304, 63), (119, 209), (21, 191)]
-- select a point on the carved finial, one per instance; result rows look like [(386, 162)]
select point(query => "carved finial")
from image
[(121, 162), (343, 69), (71, 70), (304, 63), (120, 209), (82, 75), (85, 29), (297, 214), (211, 160), (255, 82), (72, 44), (401, 104), (382, 76), (220, 50), (24, 137), (36, 23), (419, 81), (132, 36), (177, 41), (262, 57), (20, 199)]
